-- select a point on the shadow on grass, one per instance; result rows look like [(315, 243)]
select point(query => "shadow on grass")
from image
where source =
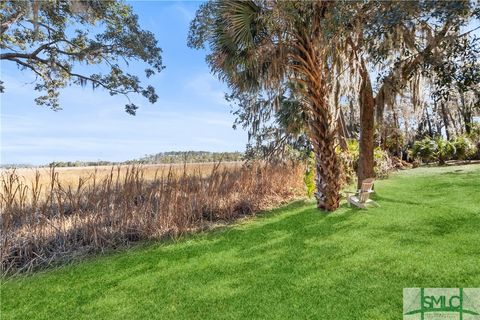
[(297, 255)]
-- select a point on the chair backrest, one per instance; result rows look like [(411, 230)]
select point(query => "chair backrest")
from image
[(366, 189)]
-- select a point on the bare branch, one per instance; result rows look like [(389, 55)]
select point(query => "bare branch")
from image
[(29, 66), (9, 21)]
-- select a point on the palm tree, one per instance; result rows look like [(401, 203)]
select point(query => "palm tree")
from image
[(260, 46)]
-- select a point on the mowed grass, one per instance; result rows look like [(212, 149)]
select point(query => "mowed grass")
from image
[(292, 263)]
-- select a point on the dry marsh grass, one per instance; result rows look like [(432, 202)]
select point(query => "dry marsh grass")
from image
[(72, 175), (51, 220)]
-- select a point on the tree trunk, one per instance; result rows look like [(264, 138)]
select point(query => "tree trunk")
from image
[(466, 114), (323, 124), (438, 123), (429, 123), (445, 120), (367, 122), (379, 110), (328, 174), (460, 120), (342, 132), (352, 123), (454, 123), (323, 132), (468, 119)]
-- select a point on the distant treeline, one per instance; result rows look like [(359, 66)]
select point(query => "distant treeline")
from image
[(187, 156), (81, 163), (16, 165), (159, 158)]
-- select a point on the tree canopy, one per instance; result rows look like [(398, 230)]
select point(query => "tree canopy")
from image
[(52, 38), (281, 49), (325, 55)]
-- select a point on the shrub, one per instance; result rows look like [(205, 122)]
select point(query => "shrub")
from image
[(441, 150), (465, 149), (474, 132), (425, 150), (474, 136), (416, 162), (309, 176), (383, 163), (395, 141), (354, 148), (444, 151), (349, 161)]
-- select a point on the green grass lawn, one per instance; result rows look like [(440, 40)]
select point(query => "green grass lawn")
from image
[(291, 263)]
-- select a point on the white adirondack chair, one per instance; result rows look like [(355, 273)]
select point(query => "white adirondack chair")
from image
[(361, 198)]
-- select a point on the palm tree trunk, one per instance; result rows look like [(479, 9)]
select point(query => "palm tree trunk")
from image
[(323, 122), (327, 164), (323, 132)]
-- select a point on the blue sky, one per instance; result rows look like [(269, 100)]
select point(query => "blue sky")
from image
[(191, 113)]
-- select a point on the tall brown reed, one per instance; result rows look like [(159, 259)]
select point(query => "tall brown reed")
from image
[(42, 224)]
